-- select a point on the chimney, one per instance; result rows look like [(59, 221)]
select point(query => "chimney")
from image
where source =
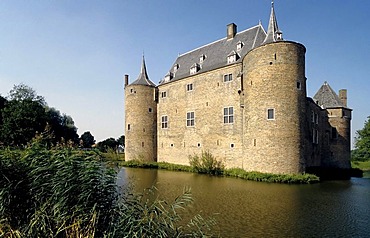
[(231, 31), (343, 96), (126, 80)]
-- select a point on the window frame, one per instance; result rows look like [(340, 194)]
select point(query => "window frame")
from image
[(164, 122), (268, 114), (163, 94), (190, 119), (189, 87), (228, 78), (228, 115)]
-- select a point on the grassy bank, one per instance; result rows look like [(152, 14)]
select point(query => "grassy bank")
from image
[(363, 165), (234, 172)]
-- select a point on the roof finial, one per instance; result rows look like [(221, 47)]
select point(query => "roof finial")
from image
[(273, 32)]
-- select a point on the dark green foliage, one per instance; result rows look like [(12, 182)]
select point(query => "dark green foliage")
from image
[(71, 193), (23, 92), (3, 101), (87, 139), (206, 164), (45, 190), (362, 144), (111, 144), (24, 114), (121, 140), (106, 144), (61, 127), (22, 120)]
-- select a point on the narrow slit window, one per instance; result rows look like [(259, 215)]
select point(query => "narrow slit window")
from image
[(270, 114)]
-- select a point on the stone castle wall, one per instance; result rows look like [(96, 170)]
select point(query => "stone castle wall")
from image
[(274, 78), (208, 98), (271, 76), (140, 123)]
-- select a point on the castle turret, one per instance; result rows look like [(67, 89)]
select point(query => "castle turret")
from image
[(339, 118), (141, 118), (275, 95)]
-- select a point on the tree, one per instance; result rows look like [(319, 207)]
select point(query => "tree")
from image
[(61, 126), (121, 140), (23, 116), (87, 139), (23, 92), (22, 120), (362, 144), (3, 102), (106, 144)]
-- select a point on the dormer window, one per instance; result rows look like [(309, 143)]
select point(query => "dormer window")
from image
[(202, 58), (279, 35), (168, 77), (239, 45), (194, 68), (232, 57), (176, 67)]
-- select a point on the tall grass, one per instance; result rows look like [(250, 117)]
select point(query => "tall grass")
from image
[(71, 193)]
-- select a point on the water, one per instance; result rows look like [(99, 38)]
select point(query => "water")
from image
[(255, 209)]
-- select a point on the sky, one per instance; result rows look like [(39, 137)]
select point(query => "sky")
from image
[(75, 53)]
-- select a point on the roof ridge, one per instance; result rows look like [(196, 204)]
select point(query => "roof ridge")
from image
[(200, 47)]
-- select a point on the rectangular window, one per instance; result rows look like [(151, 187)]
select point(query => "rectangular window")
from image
[(228, 115), (150, 110), (164, 94), (189, 87), (228, 77), (128, 127), (164, 122), (270, 114), (190, 119), (316, 118)]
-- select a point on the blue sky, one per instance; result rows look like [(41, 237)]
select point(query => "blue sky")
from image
[(75, 53)]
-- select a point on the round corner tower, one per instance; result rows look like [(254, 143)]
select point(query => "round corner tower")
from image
[(275, 96), (140, 118)]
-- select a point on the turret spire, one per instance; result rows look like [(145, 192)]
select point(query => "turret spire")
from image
[(143, 78), (273, 32)]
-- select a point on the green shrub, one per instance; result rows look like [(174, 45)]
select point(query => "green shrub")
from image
[(206, 164)]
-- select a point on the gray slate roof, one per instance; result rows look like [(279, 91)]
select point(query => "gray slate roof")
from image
[(327, 98), (143, 78), (216, 53)]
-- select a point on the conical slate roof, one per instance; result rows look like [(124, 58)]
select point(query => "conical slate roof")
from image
[(273, 29), (143, 78), (327, 98)]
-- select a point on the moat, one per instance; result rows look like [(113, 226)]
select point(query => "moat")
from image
[(256, 209)]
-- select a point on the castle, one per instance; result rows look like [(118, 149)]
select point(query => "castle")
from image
[(242, 98)]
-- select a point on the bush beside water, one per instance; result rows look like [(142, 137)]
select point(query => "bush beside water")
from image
[(70, 193)]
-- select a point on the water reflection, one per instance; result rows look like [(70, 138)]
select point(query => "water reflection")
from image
[(252, 209)]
